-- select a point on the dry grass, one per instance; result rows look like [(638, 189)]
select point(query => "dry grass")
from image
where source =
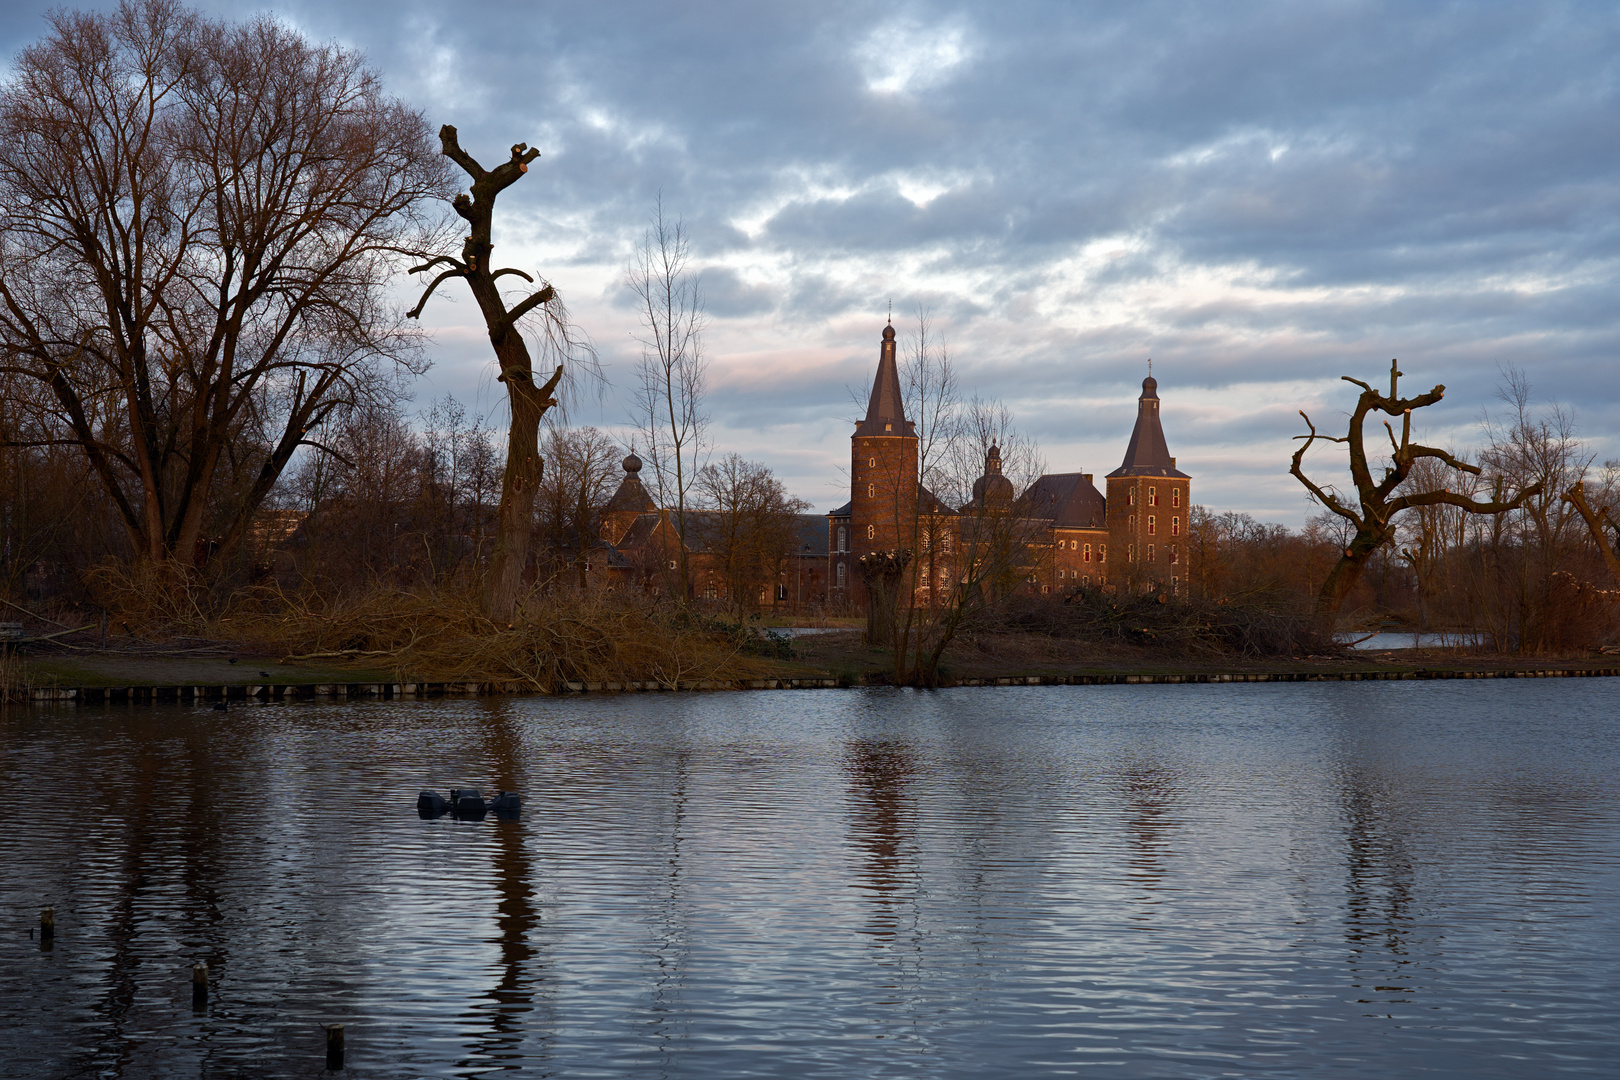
[(556, 638), (438, 634)]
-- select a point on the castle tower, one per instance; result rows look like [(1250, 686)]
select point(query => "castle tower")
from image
[(882, 510), (1148, 503)]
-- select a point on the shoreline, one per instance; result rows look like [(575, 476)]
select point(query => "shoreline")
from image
[(146, 694)]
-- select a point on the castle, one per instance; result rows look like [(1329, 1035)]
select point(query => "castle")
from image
[(1068, 534), (1132, 536)]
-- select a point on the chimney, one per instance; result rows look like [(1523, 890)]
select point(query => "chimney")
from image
[(1172, 463), (1085, 476)]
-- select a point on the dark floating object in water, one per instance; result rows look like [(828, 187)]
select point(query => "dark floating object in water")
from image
[(220, 706), (468, 805)]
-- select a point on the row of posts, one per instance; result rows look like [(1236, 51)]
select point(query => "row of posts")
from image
[(199, 989)]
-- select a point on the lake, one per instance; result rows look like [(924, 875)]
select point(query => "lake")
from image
[(1294, 880)]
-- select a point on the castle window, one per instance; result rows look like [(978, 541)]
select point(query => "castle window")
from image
[(1046, 588), (1175, 526), (1174, 582), (1173, 553), (1150, 553), (1086, 581), (871, 532), (1130, 497), (672, 564), (843, 544), (888, 427), (1152, 524), (1130, 522), (781, 592), (1060, 575), (1153, 496), (1085, 556), (840, 575), (871, 463), (871, 491), (1102, 552), (1175, 496), (1130, 553)]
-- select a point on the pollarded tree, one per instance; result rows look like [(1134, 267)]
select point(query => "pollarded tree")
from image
[(198, 225), (528, 403), (1372, 516)]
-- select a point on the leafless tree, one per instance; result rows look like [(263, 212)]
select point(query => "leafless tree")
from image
[(198, 224), (574, 492), (750, 526), (669, 408), (527, 402), (1376, 504)]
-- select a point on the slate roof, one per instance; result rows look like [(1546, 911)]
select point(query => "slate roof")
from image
[(1068, 500), (1147, 454)]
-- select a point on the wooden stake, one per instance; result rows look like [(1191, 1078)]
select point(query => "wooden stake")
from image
[(199, 982), (47, 923), (334, 1046)]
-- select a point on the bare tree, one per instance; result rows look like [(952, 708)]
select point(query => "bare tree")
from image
[(198, 223), (751, 526), (670, 416), (1596, 518), (574, 493), (1376, 504), (528, 403)]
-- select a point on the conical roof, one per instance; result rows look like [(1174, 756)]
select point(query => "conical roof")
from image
[(1147, 454), (885, 412)]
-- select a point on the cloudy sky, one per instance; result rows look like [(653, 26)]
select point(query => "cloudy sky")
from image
[(1260, 197)]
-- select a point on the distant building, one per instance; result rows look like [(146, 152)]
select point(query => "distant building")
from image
[(1132, 537)]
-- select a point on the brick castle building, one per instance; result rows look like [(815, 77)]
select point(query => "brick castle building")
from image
[(1134, 536)]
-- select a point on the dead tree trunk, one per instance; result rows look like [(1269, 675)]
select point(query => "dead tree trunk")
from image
[(883, 572), (1377, 504), (1595, 520), (528, 402)]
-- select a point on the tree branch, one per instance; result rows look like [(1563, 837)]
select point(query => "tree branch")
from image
[(426, 295)]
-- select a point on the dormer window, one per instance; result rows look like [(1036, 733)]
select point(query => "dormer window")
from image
[(888, 427)]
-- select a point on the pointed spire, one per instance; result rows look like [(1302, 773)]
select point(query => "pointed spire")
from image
[(1147, 454), (885, 412)]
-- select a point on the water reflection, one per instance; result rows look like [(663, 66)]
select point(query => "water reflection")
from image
[(1341, 880)]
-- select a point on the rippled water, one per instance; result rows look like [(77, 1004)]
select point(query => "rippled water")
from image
[(1299, 880)]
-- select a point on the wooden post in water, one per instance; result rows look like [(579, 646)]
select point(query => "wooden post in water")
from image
[(199, 984), (334, 1046), (47, 923)]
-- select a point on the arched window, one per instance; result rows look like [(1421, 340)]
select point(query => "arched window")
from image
[(1130, 497), (1152, 526), (871, 491), (871, 463), (871, 532), (843, 543), (840, 575)]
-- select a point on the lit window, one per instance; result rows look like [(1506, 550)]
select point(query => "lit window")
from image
[(888, 427), (871, 463), (871, 532), (1130, 497), (1152, 527)]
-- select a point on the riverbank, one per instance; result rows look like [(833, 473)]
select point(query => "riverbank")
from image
[(829, 661)]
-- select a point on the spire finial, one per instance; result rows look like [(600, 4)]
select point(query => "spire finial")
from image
[(891, 311), (1150, 367)]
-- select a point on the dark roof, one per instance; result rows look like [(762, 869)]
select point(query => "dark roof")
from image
[(812, 535), (631, 495), (885, 411), (842, 511), (1068, 500), (1147, 454)]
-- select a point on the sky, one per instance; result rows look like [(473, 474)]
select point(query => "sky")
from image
[(1259, 197)]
